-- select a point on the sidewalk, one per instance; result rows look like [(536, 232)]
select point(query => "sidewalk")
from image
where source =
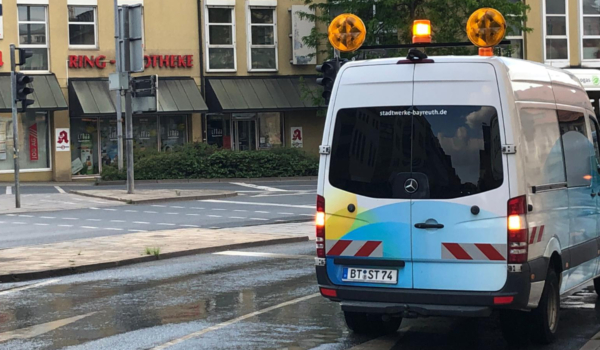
[(46, 202), (43, 261), (155, 196)]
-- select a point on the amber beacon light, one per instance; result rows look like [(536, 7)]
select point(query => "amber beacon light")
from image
[(421, 31), (486, 28), (347, 32)]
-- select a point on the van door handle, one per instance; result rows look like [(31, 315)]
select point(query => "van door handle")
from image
[(423, 225)]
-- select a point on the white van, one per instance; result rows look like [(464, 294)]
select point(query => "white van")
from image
[(456, 186)]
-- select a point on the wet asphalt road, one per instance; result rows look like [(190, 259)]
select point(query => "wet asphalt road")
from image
[(230, 301)]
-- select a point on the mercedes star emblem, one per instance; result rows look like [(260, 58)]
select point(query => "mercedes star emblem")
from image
[(411, 186)]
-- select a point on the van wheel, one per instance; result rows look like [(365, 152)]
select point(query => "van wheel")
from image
[(514, 325), (362, 323), (544, 319), (597, 285)]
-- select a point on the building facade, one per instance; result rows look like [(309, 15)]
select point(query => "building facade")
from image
[(74, 52)]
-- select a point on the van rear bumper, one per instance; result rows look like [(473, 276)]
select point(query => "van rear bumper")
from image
[(429, 302)]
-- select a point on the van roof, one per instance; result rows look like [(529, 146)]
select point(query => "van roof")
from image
[(517, 70)]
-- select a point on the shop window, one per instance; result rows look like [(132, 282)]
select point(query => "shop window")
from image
[(218, 131), (262, 41), (220, 39), (173, 131), (555, 30), (34, 147), (269, 126), (145, 133), (33, 35), (84, 146), (591, 30), (82, 27), (109, 142)]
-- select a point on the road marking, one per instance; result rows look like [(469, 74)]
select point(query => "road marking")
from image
[(8, 190), (18, 223), (34, 331), (117, 220), (259, 219), (233, 321), (264, 188), (219, 209), (165, 224), (285, 213), (264, 255), (172, 213), (25, 216), (11, 214), (131, 211), (93, 208), (189, 225), (29, 286), (198, 208), (93, 220), (47, 217), (263, 212), (41, 224), (150, 212), (240, 210), (214, 216), (192, 214), (258, 203), (176, 207), (110, 209), (113, 229), (214, 228), (90, 227), (285, 194), (137, 230), (65, 225), (70, 219), (236, 217), (141, 222), (60, 190), (159, 206)]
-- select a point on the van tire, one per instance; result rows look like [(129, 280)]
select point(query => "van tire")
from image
[(544, 319), (362, 323), (597, 285)]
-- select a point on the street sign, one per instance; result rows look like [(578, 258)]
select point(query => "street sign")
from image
[(118, 81), (130, 35), (144, 91)]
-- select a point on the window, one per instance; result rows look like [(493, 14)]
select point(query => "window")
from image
[(262, 43), (591, 29), (82, 27), (269, 130), (516, 47), (595, 137), (452, 151), (33, 35), (555, 30), (577, 148), (34, 140), (220, 39), (173, 131)]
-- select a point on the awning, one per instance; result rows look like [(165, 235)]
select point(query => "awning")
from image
[(260, 94), (91, 97), (589, 78), (47, 93)]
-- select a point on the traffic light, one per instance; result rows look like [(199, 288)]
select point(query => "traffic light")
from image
[(329, 69), (23, 90), (23, 56)]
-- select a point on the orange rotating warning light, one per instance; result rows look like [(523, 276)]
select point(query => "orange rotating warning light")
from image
[(347, 32), (421, 31), (486, 27)]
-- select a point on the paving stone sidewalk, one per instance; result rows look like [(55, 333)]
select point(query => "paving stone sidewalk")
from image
[(50, 202), (155, 196), (43, 261)]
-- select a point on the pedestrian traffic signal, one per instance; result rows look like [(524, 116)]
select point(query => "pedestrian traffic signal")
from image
[(23, 56), (23, 90), (329, 69)]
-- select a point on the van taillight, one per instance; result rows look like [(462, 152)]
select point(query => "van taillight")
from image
[(517, 230), (320, 224)]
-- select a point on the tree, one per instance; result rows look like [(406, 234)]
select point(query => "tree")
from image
[(390, 21)]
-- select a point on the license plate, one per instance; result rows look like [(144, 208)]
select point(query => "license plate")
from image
[(353, 274)]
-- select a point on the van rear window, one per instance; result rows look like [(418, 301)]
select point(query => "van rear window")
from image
[(451, 151)]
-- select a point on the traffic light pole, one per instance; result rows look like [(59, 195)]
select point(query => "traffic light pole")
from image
[(128, 108), (13, 87), (118, 92)]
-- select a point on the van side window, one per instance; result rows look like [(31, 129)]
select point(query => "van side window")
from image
[(542, 148), (577, 148), (595, 136)]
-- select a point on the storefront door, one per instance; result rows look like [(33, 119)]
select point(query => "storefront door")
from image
[(244, 135)]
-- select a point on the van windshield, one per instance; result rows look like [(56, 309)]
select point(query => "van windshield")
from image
[(452, 151)]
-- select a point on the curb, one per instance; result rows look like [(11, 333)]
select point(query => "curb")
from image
[(159, 200), (176, 181), (65, 271)]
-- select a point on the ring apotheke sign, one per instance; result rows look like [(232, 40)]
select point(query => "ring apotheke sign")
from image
[(150, 61)]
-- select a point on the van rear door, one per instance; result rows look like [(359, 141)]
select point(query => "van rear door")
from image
[(458, 210)]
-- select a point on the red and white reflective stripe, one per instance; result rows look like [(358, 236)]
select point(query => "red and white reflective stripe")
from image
[(474, 251), (343, 247), (540, 232)]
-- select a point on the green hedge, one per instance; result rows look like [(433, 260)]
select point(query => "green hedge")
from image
[(200, 161)]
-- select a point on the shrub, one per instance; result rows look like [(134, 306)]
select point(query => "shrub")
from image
[(201, 161)]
